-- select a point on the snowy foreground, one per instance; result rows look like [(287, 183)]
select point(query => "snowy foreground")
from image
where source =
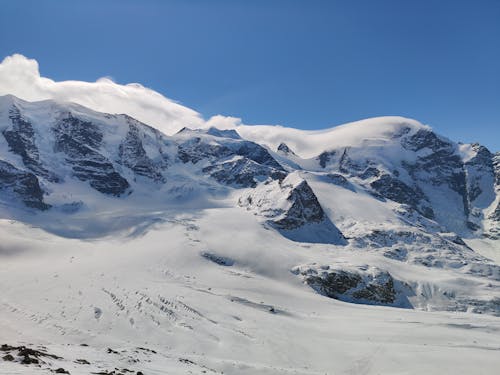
[(151, 302)]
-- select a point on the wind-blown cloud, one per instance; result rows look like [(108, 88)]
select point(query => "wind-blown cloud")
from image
[(20, 76)]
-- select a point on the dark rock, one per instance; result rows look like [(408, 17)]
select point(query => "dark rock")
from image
[(242, 173), (305, 208), (442, 168), (394, 189), (21, 140), (82, 361), (370, 172), (423, 139), (334, 283), (496, 168), (194, 150), (289, 206), (283, 148), (257, 153), (28, 361), (8, 357), (133, 155), (217, 259), (23, 184), (376, 287), (478, 168), (325, 157), (378, 290), (61, 371), (80, 140)]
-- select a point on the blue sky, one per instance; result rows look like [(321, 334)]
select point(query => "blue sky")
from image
[(308, 64)]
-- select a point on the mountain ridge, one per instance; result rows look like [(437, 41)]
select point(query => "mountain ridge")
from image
[(392, 189), (209, 248)]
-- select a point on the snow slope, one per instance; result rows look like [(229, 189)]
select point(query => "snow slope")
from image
[(158, 293)]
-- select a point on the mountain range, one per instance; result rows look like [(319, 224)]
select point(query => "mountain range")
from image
[(186, 239)]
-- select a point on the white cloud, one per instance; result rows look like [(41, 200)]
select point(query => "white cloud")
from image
[(223, 122), (20, 77)]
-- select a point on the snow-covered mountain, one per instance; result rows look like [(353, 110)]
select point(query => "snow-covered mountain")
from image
[(257, 220)]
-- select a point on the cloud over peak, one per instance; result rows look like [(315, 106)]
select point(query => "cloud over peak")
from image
[(20, 76)]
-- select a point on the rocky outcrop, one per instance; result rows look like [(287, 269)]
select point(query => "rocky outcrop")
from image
[(80, 141), (257, 153), (367, 285), (285, 150), (21, 140), (290, 205), (325, 157), (242, 172), (195, 149), (439, 168), (480, 175), (394, 189), (132, 154), (424, 138), (23, 185), (195, 146)]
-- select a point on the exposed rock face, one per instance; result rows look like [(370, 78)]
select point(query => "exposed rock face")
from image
[(493, 218), (304, 208), (441, 168), (195, 149), (396, 190), (325, 157), (79, 141), (257, 153), (480, 174), (242, 172), (218, 259), (23, 185), (372, 285), (133, 155), (198, 146), (289, 205), (496, 168), (424, 139), (21, 140), (284, 149), (230, 161)]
